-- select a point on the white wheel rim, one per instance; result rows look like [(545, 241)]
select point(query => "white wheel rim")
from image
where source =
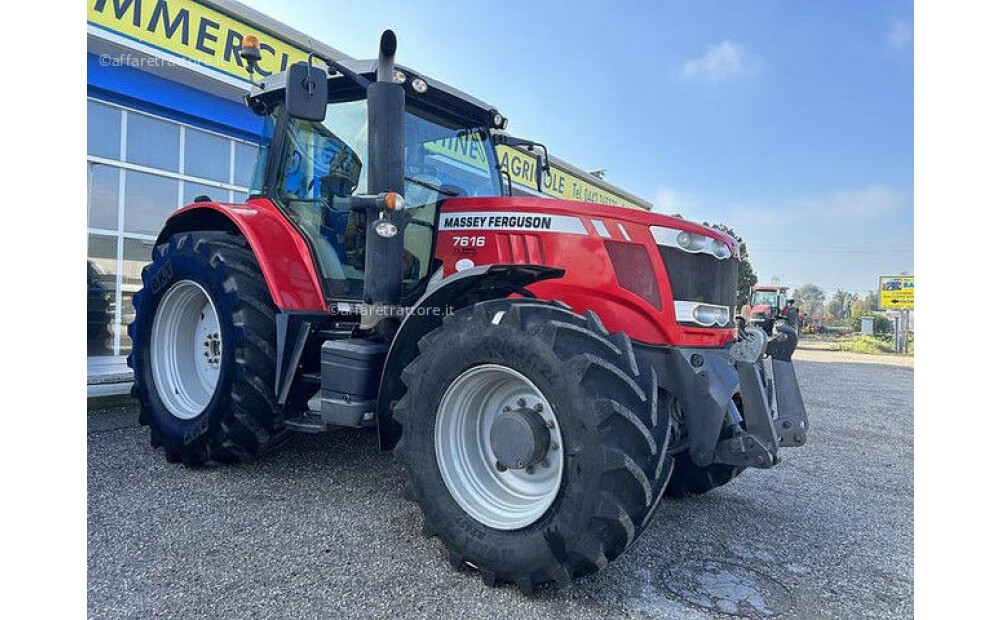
[(504, 500), (186, 349)]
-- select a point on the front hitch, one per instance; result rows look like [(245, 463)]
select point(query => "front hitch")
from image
[(773, 412)]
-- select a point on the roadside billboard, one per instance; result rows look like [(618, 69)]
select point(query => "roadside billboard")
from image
[(895, 292)]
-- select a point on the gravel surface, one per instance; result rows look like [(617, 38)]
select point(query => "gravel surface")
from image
[(320, 529)]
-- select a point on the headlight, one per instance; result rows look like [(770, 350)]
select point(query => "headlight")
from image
[(386, 229), (690, 242), (706, 315), (720, 249), (398, 77), (419, 85)]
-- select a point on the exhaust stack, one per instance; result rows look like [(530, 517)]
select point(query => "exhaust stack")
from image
[(384, 255)]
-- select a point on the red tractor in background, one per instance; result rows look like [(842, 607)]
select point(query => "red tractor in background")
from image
[(545, 370), (766, 305)]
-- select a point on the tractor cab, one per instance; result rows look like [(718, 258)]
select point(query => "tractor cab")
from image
[(316, 162)]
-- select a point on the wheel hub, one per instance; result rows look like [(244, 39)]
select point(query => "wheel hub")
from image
[(519, 438), (186, 349), (498, 447)]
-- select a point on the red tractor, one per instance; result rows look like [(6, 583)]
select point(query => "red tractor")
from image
[(766, 305), (545, 370)]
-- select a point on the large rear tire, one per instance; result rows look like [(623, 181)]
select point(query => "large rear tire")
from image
[(605, 464), (203, 351)]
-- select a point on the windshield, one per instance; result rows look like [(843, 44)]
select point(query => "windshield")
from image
[(766, 298), (324, 163)]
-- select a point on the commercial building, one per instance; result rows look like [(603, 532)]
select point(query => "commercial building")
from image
[(166, 123)]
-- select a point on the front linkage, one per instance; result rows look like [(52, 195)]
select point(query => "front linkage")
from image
[(739, 403), (773, 411)]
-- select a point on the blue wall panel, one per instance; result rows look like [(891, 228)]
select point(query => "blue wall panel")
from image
[(143, 91)]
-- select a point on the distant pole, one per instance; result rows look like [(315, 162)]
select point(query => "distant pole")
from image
[(906, 331), (898, 324)]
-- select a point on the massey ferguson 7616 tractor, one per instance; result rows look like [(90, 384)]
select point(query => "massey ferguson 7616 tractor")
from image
[(545, 370)]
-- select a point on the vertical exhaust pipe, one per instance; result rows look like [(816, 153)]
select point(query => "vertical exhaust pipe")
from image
[(384, 255)]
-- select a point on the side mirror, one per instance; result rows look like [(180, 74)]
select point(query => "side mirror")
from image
[(543, 168), (543, 161), (306, 92)]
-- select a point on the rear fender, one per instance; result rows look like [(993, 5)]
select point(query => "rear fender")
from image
[(463, 289), (283, 255)]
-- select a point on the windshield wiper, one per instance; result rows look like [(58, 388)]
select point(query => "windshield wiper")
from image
[(434, 188)]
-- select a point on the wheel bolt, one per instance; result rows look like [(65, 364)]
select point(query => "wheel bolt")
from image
[(506, 408), (554, 446), (500, 467), (539, 407), (529, 470), (550, 423), (521, 402)]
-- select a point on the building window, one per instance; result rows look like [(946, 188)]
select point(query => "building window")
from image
[(102, 267), (140, 169), (104, 130), (102, 196), (244, 162), (192, 190), (152, 142), (149, 199), (206, 155)]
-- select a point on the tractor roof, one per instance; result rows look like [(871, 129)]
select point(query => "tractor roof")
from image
[(439, 95), (770, 288)]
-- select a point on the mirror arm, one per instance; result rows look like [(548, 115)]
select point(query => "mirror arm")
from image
[(543, 162), (335, 67)]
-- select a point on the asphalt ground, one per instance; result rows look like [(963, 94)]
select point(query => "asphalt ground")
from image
[(321, 529)]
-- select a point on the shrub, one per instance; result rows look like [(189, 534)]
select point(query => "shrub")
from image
[(865, 344)]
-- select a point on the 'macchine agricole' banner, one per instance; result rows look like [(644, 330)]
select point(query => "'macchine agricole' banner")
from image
[(192, 31)]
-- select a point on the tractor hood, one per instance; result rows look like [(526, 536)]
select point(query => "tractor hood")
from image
[(591, 217)]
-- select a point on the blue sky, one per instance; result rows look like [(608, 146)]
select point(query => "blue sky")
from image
[(792, 122)]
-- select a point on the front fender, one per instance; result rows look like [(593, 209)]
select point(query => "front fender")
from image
[(462, 289), (283, 255)]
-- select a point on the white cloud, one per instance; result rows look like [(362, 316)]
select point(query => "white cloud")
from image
[(901, 35), (720, 62)]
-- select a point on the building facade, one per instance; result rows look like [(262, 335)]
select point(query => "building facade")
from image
[(166, 123)]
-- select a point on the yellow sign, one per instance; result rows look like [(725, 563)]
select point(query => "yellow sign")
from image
[(521, 167), (466, 150), (557, 183), (895, 291), (192, 31)]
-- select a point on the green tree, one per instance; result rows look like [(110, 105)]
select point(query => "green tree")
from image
[(839, 306), (746, 277), (810, 299), (864, 306)]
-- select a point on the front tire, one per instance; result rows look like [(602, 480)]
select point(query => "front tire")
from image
[(601, 410), (690, 479), (203, 351)]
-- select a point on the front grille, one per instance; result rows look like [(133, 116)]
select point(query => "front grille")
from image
[(701, 277)]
